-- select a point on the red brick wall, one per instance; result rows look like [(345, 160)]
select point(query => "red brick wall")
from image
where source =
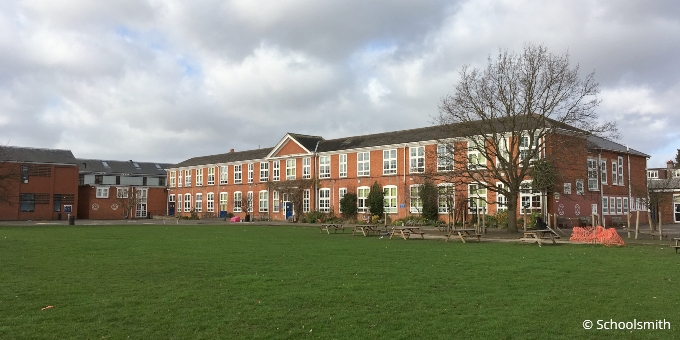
[(110, 208)]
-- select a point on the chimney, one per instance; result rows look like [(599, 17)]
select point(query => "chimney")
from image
[(231, 151), (670, 164)]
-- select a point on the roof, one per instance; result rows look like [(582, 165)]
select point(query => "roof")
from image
[(225, 158), (122, 167), (36, 155), (386, 138), (308, 142), (664, 184), (599, 143)]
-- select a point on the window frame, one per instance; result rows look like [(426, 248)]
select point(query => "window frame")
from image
[(415, 202), (325, 200), (211, 175), (445, 159), (264, 171), (238, 173), (389, 162), (198, 203), (342, 165), (363, 164), (324, 166), (416, 159), (276, 170), (362, 207), (101, 192), (390, 201), (306, 193), (210, 202), (238, 201), (224, 174), (291, 165), (199, 177), (263, 197), (251, 172), (224, 201), (306, 168), (187, 202)]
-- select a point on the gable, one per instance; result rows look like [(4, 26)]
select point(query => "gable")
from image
[(289, 147)]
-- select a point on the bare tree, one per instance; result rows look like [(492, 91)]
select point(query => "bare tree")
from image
[(128, 198), (294, 191), (518, 109), (10, 176)]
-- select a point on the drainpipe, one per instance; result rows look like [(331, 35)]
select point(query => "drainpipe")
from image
[(316, 183)]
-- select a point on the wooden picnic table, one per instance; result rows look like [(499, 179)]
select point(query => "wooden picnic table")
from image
[(538, 235), (335, 226), (677, 244), (366, 229), (464, 233), (405, 232)]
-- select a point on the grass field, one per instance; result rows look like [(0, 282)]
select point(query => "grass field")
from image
[(226, 282)]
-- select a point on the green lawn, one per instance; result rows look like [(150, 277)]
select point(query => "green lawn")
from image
[(211, 281)]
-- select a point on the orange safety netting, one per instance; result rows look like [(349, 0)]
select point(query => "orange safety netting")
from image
[(597, 235)]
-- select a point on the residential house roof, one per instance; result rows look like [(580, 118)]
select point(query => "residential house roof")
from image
[(36, 155)]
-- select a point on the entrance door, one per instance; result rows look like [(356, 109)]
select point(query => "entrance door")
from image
[(171, 208), (289, 209)]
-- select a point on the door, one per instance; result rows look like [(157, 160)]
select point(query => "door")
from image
[(171, 208), (289, 209)]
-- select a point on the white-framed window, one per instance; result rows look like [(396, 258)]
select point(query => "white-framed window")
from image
[(224, 174), (187, 202), (325, 167), (210, 202), (249, 201), (503, 152), (342, 165), (238, 201), (290, 169), (501, 200), (530, 197), (173, 179), (416, 159), (306, 168), (341, 194), (224, 201), (579, 187), (389, 162), (619, 205), (264, 171), (199, 202), (171, 198), (102, 192), (625, 205), (199, 177), (603, 172), (187, 177), (180, 175), (305, 200), (652, 174), (567, 188), (390, 199), (477, 196), (416, 201), (526, 145), (325, 200), (276, 170), (122, 192), (264, 201), (237, 174), (178, 207), (676, 173), (444, 157), (275, 201), (363, 163), (621, 170), (211, 175), (251, 172), (362, 195), (475, 159), (446, 198), (612, 205), (592, 175), (593, 209), (605, 205), (615, 176)]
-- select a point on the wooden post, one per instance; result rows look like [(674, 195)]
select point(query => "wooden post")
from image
[(660, 224), (592, 220), (483, 220), (637, 223), (628, 222), (649, 218), (525, 219)]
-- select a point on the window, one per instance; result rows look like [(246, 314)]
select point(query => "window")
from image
[(238, 201), (477, 196), (264, 201), (445, 198), (341, 195), (237, 174), (27, 202), (579, 187), (173, 179), (199, 202), (620, 170), (593, 209), (275, 201), (603, 172), (290, 169), (187, 177), (567, 188), (199, 177), (625, 205), (605, 205), (171, 198), (251, 172), (390, 199), (276, 168), (592, 175), (179, 203), (363, 164), (619, 205), (224, 201), (343, 165), (417, 158), (615, 177), (652, 174), (122, 192), (187, 202), (416, 201), (389, 162), (211, 175), (180, 175), (210, 199), (306, 167), (249, 201), (501, 200), (305, 200), (25, 174), (444, 157), (475, 159), (325, 167), (102, 192), (612, 205), (224, 174), (325, 200), (362, 195), (531, 198), (527, 147), (264, 171)]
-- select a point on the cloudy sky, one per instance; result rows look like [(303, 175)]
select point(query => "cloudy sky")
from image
[(166, 80)]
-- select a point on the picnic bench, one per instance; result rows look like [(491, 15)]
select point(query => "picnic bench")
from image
[(367, 229), (538, 235), (335, 226), (677, 244), (405, 232), (464, 233)]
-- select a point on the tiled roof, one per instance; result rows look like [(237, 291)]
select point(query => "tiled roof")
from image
[(225, 158), (599, 143), (385, 138), (122, 167), (308, 142), (35, 155)]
